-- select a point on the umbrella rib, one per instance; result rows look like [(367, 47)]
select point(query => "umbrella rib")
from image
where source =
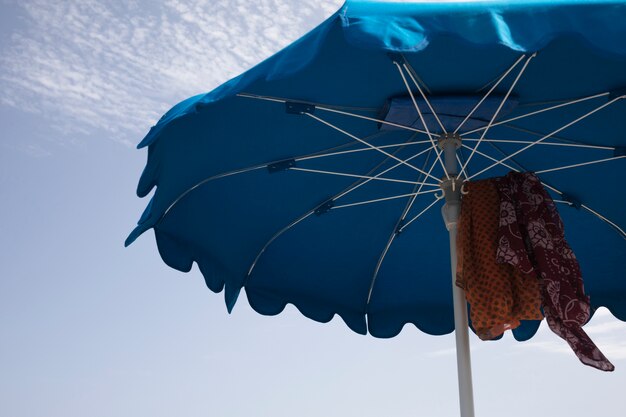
[(377, 200), (394, 145), (335, 109), (458, 160), (253, 168), (562, 139), (502, 77), (521, 168), (265, 165), (490, 158), (600, 216), (547, 136), (383, 172), (592, 211), (571, 145), (369, 145), (272, 239), (406, 68), (204, 181), (365, 177), (568, 103), (393, 237), (437, 198), (345, 192), (421, 116), (412, 71), (618, 229), (580, 164), (495, 115), (284, 100), (332, 150), (372, 119)]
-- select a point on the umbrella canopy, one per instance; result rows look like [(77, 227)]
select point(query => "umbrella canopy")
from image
[(245, 183), (314, 178)]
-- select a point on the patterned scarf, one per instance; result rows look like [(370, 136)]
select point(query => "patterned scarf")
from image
[(531, 238)]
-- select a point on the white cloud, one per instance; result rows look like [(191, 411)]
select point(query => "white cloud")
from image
[(116, 67)]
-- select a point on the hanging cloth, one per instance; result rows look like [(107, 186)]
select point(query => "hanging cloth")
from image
[(531, 238), (499, 294)]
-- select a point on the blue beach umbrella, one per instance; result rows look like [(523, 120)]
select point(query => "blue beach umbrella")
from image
[(320, 176)]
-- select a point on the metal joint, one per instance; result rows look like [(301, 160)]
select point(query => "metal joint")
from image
[(281, 165), (400, 226), (617, 93), (396, 57), (324, 207), (573, 201), (297, 107)]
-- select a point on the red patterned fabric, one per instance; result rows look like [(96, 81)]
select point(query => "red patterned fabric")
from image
[(531, 237)]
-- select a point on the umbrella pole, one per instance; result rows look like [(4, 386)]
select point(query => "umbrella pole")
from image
[(451, 186)]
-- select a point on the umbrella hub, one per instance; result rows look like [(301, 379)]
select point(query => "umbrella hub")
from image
[(449, 139)]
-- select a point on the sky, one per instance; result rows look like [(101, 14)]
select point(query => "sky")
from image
[(89, 327)]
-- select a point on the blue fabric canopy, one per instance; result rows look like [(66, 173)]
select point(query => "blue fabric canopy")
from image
[(261, 181)]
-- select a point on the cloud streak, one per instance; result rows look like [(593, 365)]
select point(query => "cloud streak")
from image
[(93, 67)]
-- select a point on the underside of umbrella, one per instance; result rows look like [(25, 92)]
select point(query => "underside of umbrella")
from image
[(317, 177)]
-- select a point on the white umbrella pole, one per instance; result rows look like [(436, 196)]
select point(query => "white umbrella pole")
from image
[(451, 210)]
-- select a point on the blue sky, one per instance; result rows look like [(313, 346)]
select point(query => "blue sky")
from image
[(91, 328)]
